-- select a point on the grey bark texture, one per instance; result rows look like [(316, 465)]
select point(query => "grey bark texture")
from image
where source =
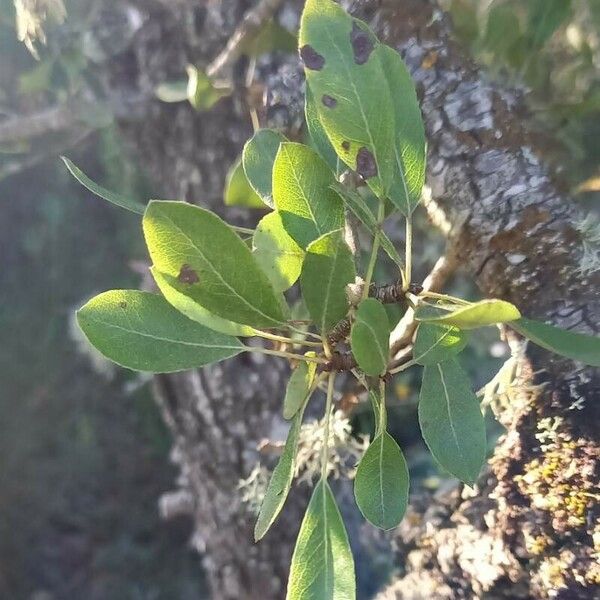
[(526, 531)]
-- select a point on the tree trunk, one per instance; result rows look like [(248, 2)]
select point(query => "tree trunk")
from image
[(527, 529)]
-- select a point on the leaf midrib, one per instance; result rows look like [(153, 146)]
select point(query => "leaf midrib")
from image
[(454, 434)]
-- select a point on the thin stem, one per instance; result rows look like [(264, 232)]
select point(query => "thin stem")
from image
[(408, 252), (445, 297), (286, 340), (282, 354), (374, 250), (382, 407), (302, 332), (403, 367), (243, 230), (325, 451)]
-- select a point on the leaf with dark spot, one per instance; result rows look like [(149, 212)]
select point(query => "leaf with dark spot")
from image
[(362, 44), (365, 163), (188, 275), (346, 145), (329, 101), (311, 58), (123, 304)]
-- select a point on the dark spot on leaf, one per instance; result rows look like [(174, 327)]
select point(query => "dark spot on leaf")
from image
[(188, 275), (346, 145), (366, 166), (329, 101), (123, 304), (311, 58), (362, 44)]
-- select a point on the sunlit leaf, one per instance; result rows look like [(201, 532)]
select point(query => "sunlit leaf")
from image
[(577, 346), (143, 332), (302, 194), (214, 266), (370, 337), (202, 93), (451, 420), (322, 565), (381, 483), (172, 91), (328, 268), (437, 343), (298, 388), (319, 140), (238, 191), (478, 314), (117, 199), (276, 252)]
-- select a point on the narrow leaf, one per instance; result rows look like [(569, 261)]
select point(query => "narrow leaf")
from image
[(170, 286), (409, 146), (280, 482), (322, 565), (437, 343), (350, 89), (370, 337), (302, 194), (143, 332), (381, 483), (576, 346), (258, 158), (211, 263), (238, 191), (451, 420), (478, 314), (328, 268), (276, 252), (298, 388), (117, 199)]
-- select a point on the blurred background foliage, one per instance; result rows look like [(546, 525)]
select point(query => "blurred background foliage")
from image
[(83, 452)]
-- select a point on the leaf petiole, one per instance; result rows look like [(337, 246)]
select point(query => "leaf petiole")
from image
[(375, 249), (283, 354), (328, 404), (408, 253)]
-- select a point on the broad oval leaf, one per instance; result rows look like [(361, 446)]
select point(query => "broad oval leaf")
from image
[(478, 314), (381, 483), (409, 146), (276, 252), (214, 266), (258, 158), (322, 565), (436, 343), (370, 337), (143, 332), (328, 268), (576, 346), (298, 388), (280, 482), (238, 191), (112, 197), (302, 194), (349, 85), (451, 420), (170, 288), (318, 138)]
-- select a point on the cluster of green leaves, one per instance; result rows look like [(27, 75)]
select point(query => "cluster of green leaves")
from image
[(220, 283)]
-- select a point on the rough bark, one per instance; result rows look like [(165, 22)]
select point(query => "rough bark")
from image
[(526, 532)]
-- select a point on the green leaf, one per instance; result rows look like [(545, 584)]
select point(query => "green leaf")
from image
[(381, 483), (272, 36), (349, 85), (378, 405), (370, 337), (298, 388), (174, 293), (117, 199), (302, 194), (143, 332), (437, 343), (258, 158), (201, 91), (545, 17), (328, 268), (172, 91), (478, 314), (356, 203), (214, 265), (409, 146), (318, 138), (238, 191), (451, 420), (280, 482), (576, 346), (322, 565), (276, 252)]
